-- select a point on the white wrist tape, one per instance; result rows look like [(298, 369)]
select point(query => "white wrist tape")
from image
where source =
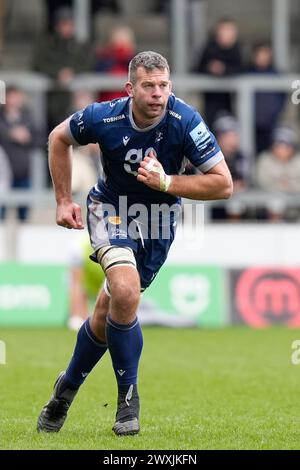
[(164, 179), (164, 183)]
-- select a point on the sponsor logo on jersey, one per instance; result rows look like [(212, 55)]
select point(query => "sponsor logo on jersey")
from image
[(200, 136), (159, 136), (80, 122), (211, 150), (175, 115), (112, 104), (126, 140), (115, 220), (115, 118)]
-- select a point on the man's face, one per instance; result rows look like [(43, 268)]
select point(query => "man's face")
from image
[(229, 142), (226, 35), (150, 92), (283, 152), (65, 29), (263, 57), (15, 99)]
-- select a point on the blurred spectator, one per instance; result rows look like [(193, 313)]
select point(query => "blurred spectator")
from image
[(109, 5), (61, 57), (221, 57), (278, 169), (226, 129), (18, 137), (86, 279), (5, 173), (86, 162), (268, 105), (53, 5), (84, 168), (190, 169), (115, 57), (2, 27), (161, 6)]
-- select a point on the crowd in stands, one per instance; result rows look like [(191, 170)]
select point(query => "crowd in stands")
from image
[(19, 135), (60, 57)]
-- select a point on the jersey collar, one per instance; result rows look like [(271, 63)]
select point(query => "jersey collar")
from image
[(144, 129)]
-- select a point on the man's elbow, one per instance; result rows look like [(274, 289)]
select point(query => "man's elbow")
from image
[(228, 188), (54, 134), (59, 133), (50, 138)]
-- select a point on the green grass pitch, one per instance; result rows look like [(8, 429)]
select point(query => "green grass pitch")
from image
[(233, 388)]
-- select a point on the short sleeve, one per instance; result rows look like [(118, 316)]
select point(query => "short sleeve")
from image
[(81, 126), (201, 146)]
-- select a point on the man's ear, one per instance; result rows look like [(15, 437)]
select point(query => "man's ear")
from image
[(129, 89), (170, 87)]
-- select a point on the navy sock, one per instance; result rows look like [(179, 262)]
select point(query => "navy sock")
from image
[(88, 351), (125, 343)]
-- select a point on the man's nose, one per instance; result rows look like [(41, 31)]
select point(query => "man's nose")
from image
[(156, 91)]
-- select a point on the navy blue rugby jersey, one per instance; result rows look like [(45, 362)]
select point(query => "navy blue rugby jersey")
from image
[(179, 135)]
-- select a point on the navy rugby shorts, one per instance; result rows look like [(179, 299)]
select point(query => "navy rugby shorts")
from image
[(110, 223)]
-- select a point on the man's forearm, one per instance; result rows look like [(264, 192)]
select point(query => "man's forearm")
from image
[(201, 187), (60, 165)]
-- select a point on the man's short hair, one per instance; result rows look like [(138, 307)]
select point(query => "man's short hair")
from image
[(13, 89), (63, 13), (149, 60), (225, 20)]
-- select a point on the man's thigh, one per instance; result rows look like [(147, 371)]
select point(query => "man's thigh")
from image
[(150, 257), (106, 227)]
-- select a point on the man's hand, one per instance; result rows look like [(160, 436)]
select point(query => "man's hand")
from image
[(216, 67), (152, 174), (21, 135), (68, 215), (65, 75)]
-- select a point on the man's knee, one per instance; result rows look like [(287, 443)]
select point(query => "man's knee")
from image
[(124, 289), (124, 295)]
